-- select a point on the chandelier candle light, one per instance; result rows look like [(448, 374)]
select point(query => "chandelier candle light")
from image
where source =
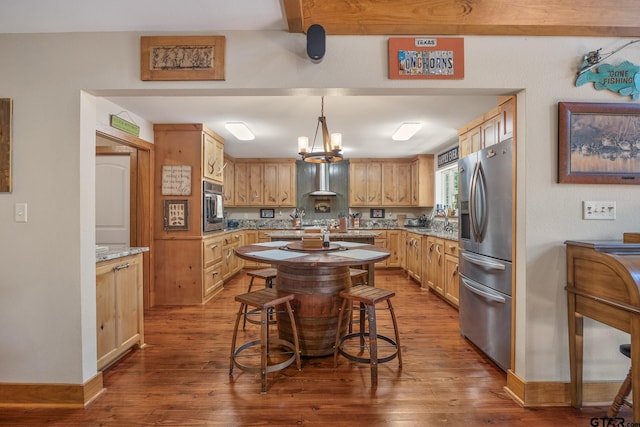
[(332, 144)]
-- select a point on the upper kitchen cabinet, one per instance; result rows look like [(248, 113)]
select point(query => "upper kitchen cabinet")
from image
[(396, 184), (365, 182), (248, 189), (422, 181), (213, 157), (391, 182), (492, 127), (229, 181), (280, 182)]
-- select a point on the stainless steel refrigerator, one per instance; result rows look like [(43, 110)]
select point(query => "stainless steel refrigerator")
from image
[(485, 192)]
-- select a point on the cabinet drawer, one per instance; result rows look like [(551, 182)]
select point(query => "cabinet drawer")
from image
[(382, 234), (213, 278), (231, 238), (263, 237), (211, 251), (451, 247)]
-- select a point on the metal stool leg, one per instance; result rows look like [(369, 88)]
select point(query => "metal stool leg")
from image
[(241, 310), (373, 345), (395, 329)]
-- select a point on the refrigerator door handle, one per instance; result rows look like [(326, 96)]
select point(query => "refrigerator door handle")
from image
[(472, 202), (482, 261), (489, 296), (481, 220)]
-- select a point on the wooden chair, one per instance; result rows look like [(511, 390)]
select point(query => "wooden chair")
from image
[(625, 388), (273, 351), (367, 297), (268, 275)]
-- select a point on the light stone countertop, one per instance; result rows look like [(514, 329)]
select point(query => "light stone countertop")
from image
[(107, 253)]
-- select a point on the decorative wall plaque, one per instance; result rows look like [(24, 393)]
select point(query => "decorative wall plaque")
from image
[(182, 58), (426, 58), (176, 180)]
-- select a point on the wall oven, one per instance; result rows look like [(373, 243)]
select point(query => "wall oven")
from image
[(212, 208)]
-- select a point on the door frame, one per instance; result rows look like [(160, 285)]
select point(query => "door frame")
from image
[(142, 155)]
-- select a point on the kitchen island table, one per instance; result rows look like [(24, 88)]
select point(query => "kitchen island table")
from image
[(316, 276)]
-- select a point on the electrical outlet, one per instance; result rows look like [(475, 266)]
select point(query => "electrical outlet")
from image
[(598, 210)]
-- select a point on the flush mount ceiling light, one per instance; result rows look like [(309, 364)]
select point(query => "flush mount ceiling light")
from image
[(406, 131), (332, 144), (240, 131)]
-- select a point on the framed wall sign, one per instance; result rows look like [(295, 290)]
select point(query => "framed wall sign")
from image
[(182, 58), (267, 213), (176, 214), (377, 213), (426, 58), (598, 143)]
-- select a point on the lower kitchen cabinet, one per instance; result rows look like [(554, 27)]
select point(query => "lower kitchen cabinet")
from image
[(256, 236), (412, 253), (450, 279), (441, 268), (212, 274), (119, 308), (189, 270), (231, 263)]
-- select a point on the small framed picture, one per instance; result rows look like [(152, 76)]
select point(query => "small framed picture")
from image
[(176, 214), (267, 213), (377, 213)]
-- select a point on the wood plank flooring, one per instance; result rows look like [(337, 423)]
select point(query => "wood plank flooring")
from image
[(181, 377)]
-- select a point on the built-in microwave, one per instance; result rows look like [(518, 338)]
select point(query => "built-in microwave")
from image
[(212, 207)]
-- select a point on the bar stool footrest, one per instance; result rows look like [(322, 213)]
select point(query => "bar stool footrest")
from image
[(359, 359), (270, 368)]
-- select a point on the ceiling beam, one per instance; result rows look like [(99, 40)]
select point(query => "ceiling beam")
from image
[(608, 18)]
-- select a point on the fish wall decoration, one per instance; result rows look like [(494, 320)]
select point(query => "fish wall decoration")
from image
[(623, 79)]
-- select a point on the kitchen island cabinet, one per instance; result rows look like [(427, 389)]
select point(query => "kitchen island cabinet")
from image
[(119, 308)]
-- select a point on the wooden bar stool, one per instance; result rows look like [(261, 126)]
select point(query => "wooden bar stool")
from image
[(367, 297), (268, 275), (271, 360), (358, 277), (625, 388)]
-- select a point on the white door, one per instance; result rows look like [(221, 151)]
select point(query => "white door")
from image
[(112, 200)]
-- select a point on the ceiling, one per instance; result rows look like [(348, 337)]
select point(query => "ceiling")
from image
[(366, 120)]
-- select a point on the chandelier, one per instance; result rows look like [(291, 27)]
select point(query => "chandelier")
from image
[(332, 144)]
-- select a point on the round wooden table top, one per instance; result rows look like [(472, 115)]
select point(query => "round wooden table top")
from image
[(339, 254)]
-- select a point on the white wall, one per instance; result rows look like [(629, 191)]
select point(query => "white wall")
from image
[(47, 286)]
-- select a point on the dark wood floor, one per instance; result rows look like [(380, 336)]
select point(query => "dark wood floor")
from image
[(181, 378)]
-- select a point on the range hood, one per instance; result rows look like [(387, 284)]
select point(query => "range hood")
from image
[(322, 181)]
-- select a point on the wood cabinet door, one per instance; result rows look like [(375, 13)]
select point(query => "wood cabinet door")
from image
[(394, 246), (105, 311), (507, 113), (286, 192), (128, 304), (212, 158), (270, 184), (229, 182), (248, 184), (403, 188), (389, 184), (374, 184), (255, 187), (358, 184), (451, 284), (241, 186)]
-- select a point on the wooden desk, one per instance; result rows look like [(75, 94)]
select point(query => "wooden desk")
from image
[(603, 280), (316, 278)]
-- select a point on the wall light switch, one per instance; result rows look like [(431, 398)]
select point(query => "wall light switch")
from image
[(598, 210), (21, 212)]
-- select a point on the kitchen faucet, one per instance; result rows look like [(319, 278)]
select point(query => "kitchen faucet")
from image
[(439, 211)]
